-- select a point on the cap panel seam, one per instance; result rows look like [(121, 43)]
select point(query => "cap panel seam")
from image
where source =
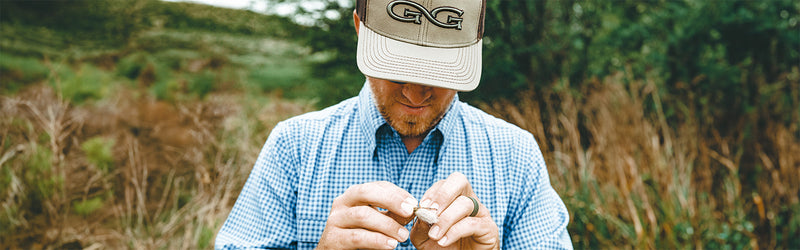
[(362, 9), (481, 19)]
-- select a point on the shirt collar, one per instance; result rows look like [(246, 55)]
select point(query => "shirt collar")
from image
[(370, 119), (450, 120)]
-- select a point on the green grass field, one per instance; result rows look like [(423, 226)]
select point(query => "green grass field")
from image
[(140, 134)]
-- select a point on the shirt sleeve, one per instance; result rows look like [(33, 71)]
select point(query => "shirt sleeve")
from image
[(264, 214), (539, 218)]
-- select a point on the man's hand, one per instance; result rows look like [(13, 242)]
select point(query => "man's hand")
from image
[(455, 228), (355, 223)]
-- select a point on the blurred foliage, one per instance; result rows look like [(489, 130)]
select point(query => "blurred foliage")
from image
[(113, 22), (40, 175), (109, 21), (87, 207), (16, 71), (174, 50), (711, 49), (728, 67), (111, 111), (332, 38), (98, 153), (86, 83)]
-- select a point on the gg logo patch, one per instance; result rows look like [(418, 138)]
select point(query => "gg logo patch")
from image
[(453, 22)]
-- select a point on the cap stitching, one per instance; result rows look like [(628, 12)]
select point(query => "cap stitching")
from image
[(421, 71)]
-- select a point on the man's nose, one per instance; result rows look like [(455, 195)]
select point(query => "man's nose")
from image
[(416, 94)]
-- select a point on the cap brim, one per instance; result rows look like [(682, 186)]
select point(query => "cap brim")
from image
[(453, 68)]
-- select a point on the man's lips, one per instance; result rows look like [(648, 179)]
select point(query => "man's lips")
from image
[(413, 106), (407, 104), (414, 109)]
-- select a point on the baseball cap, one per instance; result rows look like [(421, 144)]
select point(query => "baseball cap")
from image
[(430, 42)]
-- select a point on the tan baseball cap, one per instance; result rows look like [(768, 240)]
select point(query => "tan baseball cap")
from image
[(430, 42)]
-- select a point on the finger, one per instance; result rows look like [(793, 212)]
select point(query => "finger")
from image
[(370, 219), (398, 218), (446, 192), (458, 210), (426, 201), (379, 194), (419, 235), (482, 230), (365, 239)]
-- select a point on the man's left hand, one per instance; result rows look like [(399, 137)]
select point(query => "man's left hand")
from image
[(456, 229)]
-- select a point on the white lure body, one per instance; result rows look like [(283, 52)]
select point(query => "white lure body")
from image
[(427, 215)]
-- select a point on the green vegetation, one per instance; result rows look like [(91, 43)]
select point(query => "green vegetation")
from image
[(711, 137), (87, 207), (98, 153), (665, 124), (117, 122), (16, 71)]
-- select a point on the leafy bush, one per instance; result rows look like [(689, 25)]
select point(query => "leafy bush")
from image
[(41, 178), (16, 72), (166, 90), (111, 21), (131, 66), (283, 76), (98, 153), (87, 83), (203, 83), (87, 207)]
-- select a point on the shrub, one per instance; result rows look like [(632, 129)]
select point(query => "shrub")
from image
[(132, 65), (87, 207), (201, 84), (99, 153), (87, 83), (16, 72), (274, 77), (40, 177)]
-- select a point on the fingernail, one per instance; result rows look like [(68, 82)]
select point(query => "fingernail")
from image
[(425, 203), (392, 243), (403, 233), (434, 232), (408, 206), (435, 206), (443, 241)]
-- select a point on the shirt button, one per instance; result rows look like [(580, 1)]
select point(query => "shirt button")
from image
[(406, 243)]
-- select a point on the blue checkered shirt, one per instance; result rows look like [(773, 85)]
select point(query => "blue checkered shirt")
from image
[(310, 159)]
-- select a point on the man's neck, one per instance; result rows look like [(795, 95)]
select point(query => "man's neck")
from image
[(412, 142)]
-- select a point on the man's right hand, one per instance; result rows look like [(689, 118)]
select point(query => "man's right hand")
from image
[(356, 223)]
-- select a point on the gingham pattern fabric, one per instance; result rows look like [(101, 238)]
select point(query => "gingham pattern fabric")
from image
[(310, 159)]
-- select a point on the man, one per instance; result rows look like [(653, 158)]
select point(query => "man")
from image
[(352, 175)]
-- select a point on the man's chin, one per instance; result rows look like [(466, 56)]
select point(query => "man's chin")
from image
[(411, 130)]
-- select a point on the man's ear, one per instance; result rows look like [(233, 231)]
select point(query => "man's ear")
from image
[(356, 21)]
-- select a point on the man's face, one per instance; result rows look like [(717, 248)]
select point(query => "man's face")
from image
[(411, 109)]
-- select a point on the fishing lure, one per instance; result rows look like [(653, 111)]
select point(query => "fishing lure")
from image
[(426, 214)]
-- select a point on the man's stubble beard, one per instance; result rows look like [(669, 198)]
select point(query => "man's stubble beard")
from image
[(408, 125), (411, 125)]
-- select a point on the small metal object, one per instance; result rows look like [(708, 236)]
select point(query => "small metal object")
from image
[(426, 214)]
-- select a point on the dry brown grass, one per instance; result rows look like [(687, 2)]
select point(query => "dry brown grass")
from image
[(630, 178), (177, 168)]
